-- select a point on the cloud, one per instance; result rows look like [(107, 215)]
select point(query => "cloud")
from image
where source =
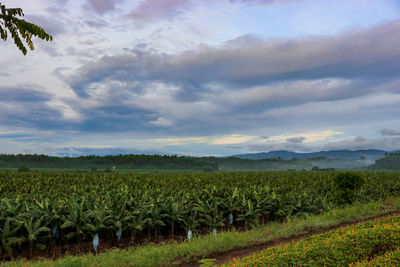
[(306, 141), (296, 140), (169, 9), (163, 122), (244, 84), (54, 25), (290, 146), (360, 142), (232, 139), (366, 54), (389, 132), (160, 9), (103, 6), (98, 23), (305, 137), (266, 2), (27, 107)]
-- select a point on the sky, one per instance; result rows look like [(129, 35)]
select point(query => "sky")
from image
[(203, 77)]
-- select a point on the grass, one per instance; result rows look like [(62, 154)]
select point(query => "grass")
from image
[(175, 253), (342, 247)]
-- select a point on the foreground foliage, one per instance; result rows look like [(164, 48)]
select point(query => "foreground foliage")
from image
[(337, 248), (41, 209), (390, 258), (206, 246), (21, 31)]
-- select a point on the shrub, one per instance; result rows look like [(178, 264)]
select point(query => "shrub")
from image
[(23, 168), (346, 184)]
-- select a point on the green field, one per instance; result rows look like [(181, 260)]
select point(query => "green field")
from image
[(41, 211)]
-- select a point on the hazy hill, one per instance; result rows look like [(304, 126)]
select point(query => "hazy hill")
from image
[(390, 162), (238, 164), (370, 154), (278, 160)]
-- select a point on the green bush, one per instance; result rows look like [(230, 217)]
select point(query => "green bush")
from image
[(23, 168), (346, 184)]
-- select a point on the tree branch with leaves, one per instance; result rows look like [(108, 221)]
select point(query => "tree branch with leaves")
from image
[(20, 30)]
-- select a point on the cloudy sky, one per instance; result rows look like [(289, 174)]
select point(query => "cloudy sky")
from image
[(203, 77)]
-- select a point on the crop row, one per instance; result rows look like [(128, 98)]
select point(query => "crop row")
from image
[(389, 258), (39, 210), (343, 247)]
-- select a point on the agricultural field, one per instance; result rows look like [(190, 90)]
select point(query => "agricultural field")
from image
[(374, 243), (49, 214)]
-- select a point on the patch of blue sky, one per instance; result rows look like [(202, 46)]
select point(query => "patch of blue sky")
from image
[(315, 17)]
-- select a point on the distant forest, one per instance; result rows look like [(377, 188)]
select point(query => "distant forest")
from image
[(132, 162), (185, 163), (390, 162)]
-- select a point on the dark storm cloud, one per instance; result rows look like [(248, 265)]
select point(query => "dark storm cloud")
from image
[(370, 54), (390, 132)]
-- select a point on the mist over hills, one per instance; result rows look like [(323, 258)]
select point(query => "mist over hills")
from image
[(266, 161), (366, 154)]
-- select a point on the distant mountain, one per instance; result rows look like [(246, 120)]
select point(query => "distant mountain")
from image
[(368, 154)]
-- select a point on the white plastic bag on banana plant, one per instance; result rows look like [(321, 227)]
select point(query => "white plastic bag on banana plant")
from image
[(230, 218), (190, 234), (119, 233), (95, 242)]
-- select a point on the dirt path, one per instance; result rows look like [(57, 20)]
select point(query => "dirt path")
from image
[(243, 252)]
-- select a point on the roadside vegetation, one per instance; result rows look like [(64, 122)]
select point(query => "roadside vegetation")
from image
[(343, 247)]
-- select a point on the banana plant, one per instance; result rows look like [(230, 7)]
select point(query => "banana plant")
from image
[(191, 222), (34, 229), (231, 204), (76, 219), (8, 231), (251, 215), (175, 213), (135, 223), (99, 219), (209, 213), (154, 219), (119, 217), (266, 201)]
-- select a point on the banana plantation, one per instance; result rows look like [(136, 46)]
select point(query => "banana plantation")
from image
[(42, 210)]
